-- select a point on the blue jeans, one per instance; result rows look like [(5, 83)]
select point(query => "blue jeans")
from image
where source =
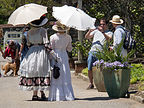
[(91, 59)]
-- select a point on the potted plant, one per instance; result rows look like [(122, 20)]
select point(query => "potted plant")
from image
[(98, 76), (115, 70)]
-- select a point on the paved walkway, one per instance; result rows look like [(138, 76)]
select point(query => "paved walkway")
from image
[(12, 97)]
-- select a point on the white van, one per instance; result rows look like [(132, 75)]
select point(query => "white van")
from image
[(12, 35)]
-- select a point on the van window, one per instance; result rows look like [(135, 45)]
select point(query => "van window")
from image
[(12, 35), (18, 35), (8, 35)]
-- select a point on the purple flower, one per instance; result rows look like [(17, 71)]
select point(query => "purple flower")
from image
[(101, 61), (121, 65), (95, 63), (115, 69), (108, 64), (131, 66), (116, 63)]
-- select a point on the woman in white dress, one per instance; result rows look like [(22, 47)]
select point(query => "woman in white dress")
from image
[(61, 88), (35, 67)]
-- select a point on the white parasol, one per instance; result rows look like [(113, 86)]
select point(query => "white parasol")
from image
[(73, 17), (27, 13)]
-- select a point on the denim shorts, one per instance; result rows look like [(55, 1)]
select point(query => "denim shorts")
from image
[(91, 59)]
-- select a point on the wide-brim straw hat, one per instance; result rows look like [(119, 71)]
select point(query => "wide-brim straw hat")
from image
[(40, 22), (116, 20), (60, 27)]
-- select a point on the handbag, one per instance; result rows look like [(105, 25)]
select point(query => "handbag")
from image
[(56, 72)]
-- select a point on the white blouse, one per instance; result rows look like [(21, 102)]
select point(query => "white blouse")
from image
[(37, 36), (61, 42)]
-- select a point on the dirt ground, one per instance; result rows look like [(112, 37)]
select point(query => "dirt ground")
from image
[(134, 89)]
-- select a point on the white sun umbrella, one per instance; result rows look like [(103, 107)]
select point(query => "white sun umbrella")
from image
[(27, 13), (73, 17)]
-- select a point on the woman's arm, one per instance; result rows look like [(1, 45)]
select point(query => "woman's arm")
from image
[(21, 48), (69, 47)]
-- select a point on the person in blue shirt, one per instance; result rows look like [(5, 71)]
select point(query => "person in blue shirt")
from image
[(119, 33), (24, 48)]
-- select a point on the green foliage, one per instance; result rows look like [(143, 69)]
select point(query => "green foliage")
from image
[(85, 71), (2, 47), (84, 48), (137, 72), (114, 55), (131, 11), (133, 80), (142, 78), (8, 6)]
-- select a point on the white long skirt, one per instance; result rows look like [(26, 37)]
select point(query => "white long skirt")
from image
[(35, 69), (61, 88)]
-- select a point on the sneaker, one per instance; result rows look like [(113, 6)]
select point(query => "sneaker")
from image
[(91, 86)]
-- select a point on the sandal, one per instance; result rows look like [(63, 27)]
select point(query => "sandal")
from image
[(91, 86), (35, 98)]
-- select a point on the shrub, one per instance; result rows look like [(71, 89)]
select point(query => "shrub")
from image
[(137, 72), (84, 48), (133, 80), (85, 71)]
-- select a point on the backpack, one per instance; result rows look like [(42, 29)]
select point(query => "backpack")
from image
[(129, 42)]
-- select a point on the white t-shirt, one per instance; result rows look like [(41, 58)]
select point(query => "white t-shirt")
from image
[(99, 39)]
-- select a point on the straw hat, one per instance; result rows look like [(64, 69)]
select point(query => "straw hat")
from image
[(40, 22), (116, 20), (59, 27)]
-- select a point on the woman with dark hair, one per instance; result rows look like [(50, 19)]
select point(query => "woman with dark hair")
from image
[(35, 67)]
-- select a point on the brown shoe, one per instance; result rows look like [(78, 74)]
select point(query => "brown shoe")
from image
[(91, 86)]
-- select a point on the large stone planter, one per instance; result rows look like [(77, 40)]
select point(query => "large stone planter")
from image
[(116, 82), (98, 79)]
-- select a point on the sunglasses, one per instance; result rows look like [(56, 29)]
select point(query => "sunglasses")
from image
[(102, 24)]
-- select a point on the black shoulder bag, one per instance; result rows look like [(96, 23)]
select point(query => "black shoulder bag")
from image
[(56, 71)]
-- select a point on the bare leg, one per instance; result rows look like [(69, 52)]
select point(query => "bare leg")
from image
[(35, 93), (90, 75), (35, 97)]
